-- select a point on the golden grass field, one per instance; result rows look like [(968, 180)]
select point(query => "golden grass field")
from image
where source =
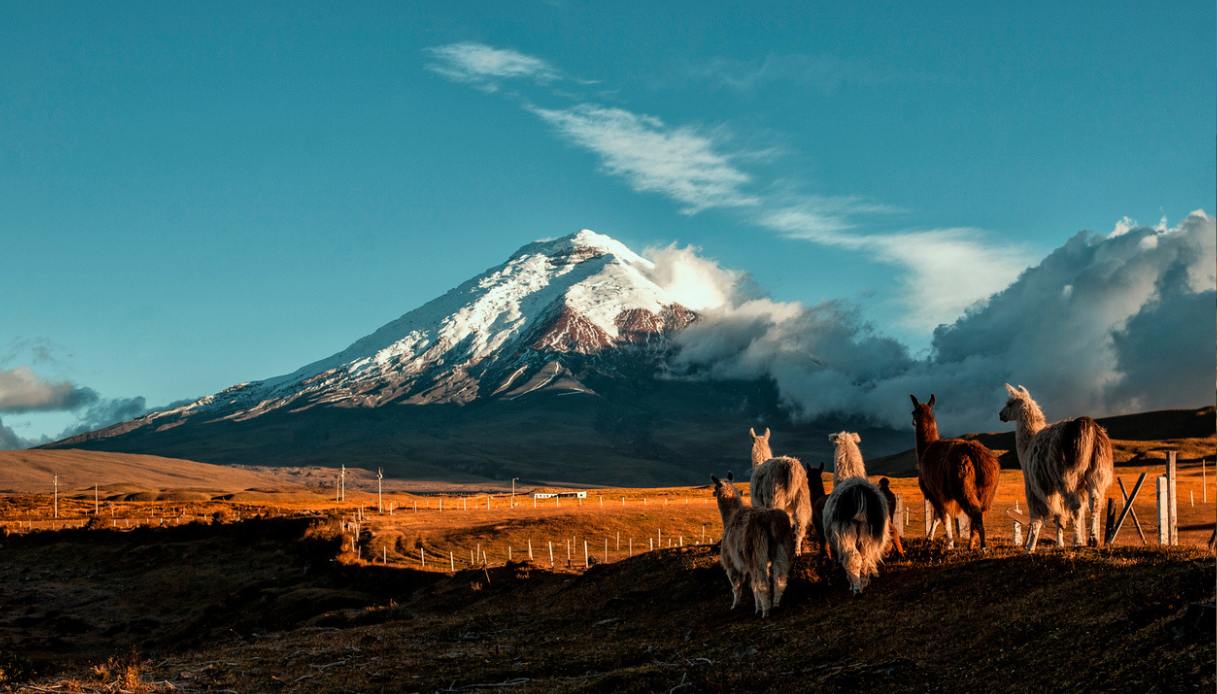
[(182, 576)]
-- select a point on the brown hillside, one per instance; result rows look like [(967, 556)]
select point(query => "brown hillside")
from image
[(31, 471)]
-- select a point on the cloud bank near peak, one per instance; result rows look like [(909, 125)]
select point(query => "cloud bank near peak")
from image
[(1102, 325)]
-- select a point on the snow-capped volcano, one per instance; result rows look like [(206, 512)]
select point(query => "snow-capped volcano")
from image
[(551, 366), (511, 330)]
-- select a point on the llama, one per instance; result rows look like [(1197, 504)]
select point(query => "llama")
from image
[(780, 483), (757, 544), (1064, 464), (815, 485), (885, 488), (847, 461), (955, 475), (856, 515)]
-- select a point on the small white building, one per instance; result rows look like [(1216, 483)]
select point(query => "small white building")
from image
[(551, 495)]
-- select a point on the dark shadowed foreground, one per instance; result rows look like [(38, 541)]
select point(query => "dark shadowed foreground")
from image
[(263, 606)]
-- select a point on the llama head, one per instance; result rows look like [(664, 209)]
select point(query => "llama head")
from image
[(760, 446), (1018, 402), (923, 411), (844, 438), (725, 489)]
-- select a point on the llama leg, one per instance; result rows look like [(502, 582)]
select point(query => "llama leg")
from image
[(760, 592), (949, 522), (933, 528), (781, 573), (978, 531), (737, 586), (1094, 520), (1079, 527), (854, 569), (799, 532)]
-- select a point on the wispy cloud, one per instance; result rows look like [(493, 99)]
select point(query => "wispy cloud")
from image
[(687, 165), (485, 66), (824, 72), (944, 271), (947, 270)]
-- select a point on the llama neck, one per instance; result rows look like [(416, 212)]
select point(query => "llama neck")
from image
[(815, 485), (927, 433), (760, 453), (728, 507), (847, 462), (1030, 423)]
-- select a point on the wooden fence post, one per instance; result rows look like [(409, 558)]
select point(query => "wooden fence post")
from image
[(551, 554), (422, 555), (586, 563), (451, 561), (1164, 536), (1172, 490), (630, 553), (530, 549)]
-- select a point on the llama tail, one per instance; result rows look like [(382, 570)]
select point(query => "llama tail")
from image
[(979, 471)]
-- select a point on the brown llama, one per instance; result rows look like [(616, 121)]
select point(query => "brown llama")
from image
[(885, 488), (780, 482), (757, 544), (955, 475), (815, 485)]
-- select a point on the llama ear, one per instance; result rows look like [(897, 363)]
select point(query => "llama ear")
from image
[(730, 476), (1022, 388), (933, 399), (717, 482), (821, 468), (856, 437), (752, 433), (766, 436), (914, 399), (1012, 391)]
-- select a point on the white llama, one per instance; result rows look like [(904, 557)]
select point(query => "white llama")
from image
[(856, 516), (1064, 464)]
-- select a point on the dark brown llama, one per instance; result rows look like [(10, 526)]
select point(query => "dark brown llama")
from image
[(955, 475), (815, 485)]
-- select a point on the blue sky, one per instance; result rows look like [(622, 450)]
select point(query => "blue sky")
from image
[(194, 196)]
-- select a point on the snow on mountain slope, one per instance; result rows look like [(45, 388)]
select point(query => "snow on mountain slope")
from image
[(503, 333)]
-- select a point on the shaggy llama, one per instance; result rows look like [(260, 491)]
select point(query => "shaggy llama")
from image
[(780, 483), (1067, 466), (757, 544), (847, 460), (856, 516), (955, 475)]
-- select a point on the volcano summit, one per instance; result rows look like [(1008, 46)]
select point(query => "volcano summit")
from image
[(551, 365)]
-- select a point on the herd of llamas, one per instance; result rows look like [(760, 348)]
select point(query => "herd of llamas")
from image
[(1067, 467)]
